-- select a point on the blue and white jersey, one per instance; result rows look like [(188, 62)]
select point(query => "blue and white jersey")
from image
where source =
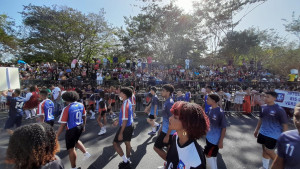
[(180, 98), (272, 119), (46, 108), (15, 106), (126, 113), (154, 103), (217, 123), (72, 115), (289, 149), (166, 114)]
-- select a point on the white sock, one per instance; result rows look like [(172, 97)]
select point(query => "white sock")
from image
[(128, 158), (154, 129), (104, 128), (124, 159), (86, 153), (33, 112), (212, 162), (156, 124), (265, 162)]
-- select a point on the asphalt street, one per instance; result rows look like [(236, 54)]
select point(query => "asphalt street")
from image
[(240, 148)]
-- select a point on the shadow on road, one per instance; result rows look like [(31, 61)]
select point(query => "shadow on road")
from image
[(107, 155)]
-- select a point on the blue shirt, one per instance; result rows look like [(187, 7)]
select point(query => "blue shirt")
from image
[(187, 96), (166, 114), (154, 103), (15, 106), (217, 123), (115, 59), (126, 113), (180, 98), (72, 115), (289, 149), (272, 119), (46, 108)]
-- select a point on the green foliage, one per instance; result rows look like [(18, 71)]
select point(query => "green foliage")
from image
[(63, 33), (8, 41), (293, 26)]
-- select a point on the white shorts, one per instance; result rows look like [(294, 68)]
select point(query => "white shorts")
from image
[(72, 66)]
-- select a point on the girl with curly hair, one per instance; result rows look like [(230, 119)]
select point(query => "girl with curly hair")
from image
[(34, 147), (191, 123)]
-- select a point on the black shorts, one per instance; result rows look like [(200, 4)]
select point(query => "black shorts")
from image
[(210, 149), (268, 142), (159, 143), (72, 136), (51, 122), (113, 104), (151, 116), (11, 121), (127, 134), (103, 113)]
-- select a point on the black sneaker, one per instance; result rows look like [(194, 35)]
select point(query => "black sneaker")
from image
[(123, 165)]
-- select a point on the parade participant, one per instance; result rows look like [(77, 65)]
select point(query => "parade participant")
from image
[(125, 130), (45, 109), (15, 112), (288, 145), (188, 95), (111, 102), (102, 114), (34, 146), (272, 122), (133, 101), (216, 134), (165, 136), (31, 102), (180, 97), (56, 98), (73, 117), (153, 107), (190, 123)]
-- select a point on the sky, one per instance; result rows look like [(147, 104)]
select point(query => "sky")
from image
[(266, 16)]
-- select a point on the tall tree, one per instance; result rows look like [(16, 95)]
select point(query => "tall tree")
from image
[(8, 41), (63, 33), (293, 26)]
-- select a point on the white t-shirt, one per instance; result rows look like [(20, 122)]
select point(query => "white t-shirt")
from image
[(127, 61), (55, 92), (187, 61), (28, 95), (99, 76)]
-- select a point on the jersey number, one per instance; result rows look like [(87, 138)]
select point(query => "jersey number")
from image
[(50, 115), (78, 116), (19, 105), (289, 149)]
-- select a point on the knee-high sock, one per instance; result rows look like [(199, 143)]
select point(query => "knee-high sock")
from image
[(212, 162)]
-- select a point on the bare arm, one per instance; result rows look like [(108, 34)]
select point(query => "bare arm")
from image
[(278, 163), (61, 129), (220, 144), (155, 108), (284, 127), (257, 128)]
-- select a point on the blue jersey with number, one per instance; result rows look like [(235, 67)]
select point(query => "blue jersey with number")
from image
[(15, 106), (289, 148), (46, 108), (187, 96), (72, 115), (126, 113), (272, 119)]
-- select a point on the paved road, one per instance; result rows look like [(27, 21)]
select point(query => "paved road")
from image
[(240, 148)]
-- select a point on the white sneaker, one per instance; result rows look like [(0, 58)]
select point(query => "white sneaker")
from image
[(92, 117), (28, 118), (101, 132), (86, 156)]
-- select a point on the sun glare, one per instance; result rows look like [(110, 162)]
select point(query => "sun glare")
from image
[(186, 5)]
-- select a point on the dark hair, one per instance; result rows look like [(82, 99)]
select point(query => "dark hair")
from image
[(32, 89), (17, 91), (32, 146), (273, 94), (101, 94), (193, 118), (70, 96), (153, 88), (44, 92), (169, 88), (209, 87), (215, 97), (127, 91)]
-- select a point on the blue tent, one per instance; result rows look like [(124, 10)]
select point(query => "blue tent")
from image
[(21, 61)]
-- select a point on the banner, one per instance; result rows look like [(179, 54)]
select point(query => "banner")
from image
[(9, 78), (287, 98)]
